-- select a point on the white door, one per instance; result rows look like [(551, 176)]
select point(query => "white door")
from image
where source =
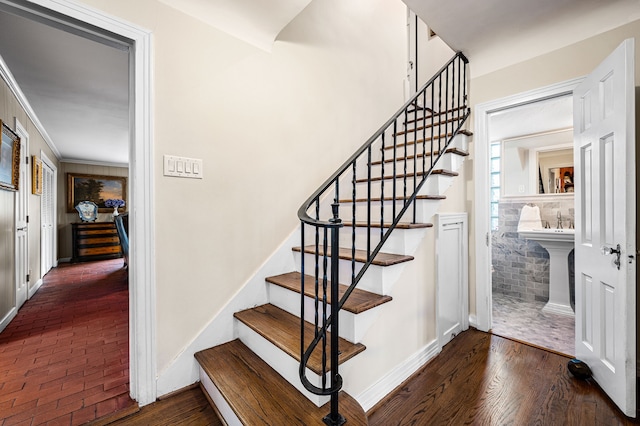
[(47, 215), (412, 56), (451, 277), (22, 210), (604, 153)]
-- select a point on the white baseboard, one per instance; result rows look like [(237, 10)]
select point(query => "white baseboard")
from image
[(394, 378), (7, 318), (473, 321), (35, 288)]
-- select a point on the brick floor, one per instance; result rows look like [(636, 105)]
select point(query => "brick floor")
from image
[(64, 359)]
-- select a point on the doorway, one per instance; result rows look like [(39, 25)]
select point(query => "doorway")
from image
[(78, 18), (488, 187)]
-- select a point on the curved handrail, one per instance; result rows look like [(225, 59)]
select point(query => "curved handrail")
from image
[(325, 252), (302, 211)]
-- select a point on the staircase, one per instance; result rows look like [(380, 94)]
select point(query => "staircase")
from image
[(283, 368)]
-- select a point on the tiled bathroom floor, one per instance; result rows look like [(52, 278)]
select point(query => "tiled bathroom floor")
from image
[(525, 321)]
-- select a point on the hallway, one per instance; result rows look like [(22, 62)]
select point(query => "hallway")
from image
[(64, 359)]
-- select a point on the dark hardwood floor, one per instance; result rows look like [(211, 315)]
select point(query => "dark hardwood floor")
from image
[(481, 378), (478, 378)]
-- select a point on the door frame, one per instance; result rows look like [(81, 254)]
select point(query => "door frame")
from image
[(25, 192), (46, 161), (482, 235), (142, 297)]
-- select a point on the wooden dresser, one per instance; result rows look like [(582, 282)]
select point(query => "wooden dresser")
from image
[(95, 241)]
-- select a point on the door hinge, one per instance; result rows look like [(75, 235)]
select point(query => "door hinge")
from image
[(486, 239), (27, 218), (28, 277), (26, 160)]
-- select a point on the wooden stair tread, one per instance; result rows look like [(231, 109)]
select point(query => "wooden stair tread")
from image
[(438, 123), (381, 259), (283, 330), (454, 150), (401, 225), (260, 396), (431, 113), (448, 135), (378, 199), (359, 300), (409, 175)]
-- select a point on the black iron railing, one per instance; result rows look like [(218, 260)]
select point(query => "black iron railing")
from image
[(382, 180)]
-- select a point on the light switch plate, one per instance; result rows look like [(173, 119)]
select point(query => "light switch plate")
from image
[(183, 167)]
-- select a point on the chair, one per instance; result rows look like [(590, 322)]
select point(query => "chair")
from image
[(122, 226)]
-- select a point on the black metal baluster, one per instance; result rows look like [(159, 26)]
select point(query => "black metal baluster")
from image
[(317, 272), (464, 86), (395, 164), (458, 106), (382, 191), (302, 340), (404, 174), (446, 113), (324, 307), (424, 135), (439, 111), (433, 123), (415, 155), (453, 96), (369, 201), (353, 226)]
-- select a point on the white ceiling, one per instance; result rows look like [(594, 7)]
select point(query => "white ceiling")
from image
[(494, 34), (256, 22), (550, 115), (78, 88)]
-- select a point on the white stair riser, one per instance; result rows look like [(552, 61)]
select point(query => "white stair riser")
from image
[(352, 326), (401, 241), (422, 207), (285, 365), (220, 402), (436, 185), (429, 188), (377, 279)]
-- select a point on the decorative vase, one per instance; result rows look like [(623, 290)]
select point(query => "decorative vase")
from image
[(115, 211)]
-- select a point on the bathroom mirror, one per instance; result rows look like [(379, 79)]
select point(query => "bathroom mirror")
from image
[(537, 164)]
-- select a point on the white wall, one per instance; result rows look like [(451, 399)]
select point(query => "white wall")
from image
[(270, 128)]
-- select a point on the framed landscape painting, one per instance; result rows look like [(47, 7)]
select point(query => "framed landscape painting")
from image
[(95, 188), (9, 159)]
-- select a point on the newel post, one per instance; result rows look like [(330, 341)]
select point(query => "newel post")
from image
[(334, 418)]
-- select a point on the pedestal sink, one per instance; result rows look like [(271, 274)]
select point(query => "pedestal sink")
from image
[(559, 243)]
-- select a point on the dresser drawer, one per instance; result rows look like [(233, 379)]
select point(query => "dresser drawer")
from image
[(95, 241)]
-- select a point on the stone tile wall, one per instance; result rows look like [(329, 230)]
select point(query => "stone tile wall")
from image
[(520, 266)]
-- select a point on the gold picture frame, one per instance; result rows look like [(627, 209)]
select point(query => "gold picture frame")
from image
[(9, 159), (95, 188), (36, 177)]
